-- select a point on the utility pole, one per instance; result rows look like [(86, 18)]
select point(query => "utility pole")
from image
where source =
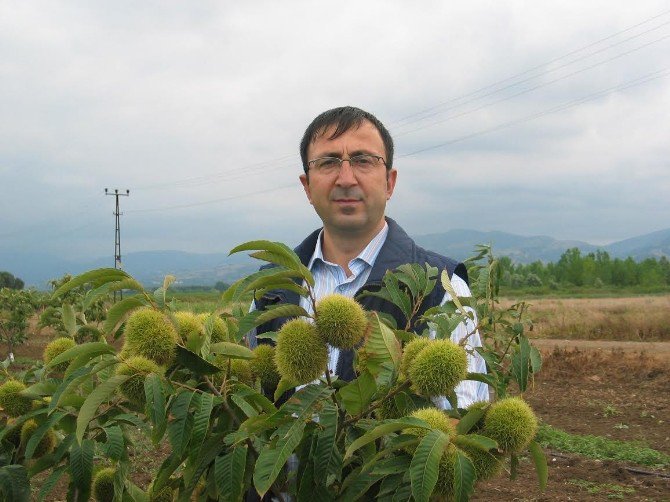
[(117, 232)]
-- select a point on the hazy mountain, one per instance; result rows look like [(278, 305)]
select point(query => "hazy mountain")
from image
[(149, 267), (655, 244), (460, 244)]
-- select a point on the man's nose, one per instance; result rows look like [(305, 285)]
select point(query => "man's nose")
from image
[(346, 176)]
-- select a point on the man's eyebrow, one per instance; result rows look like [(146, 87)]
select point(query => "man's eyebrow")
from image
[(351, 154)]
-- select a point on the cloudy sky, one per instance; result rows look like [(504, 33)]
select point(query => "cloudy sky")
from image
[(515, 116)]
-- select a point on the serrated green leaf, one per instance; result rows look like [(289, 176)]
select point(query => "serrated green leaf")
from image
[(84, 358), (81, 468), (93, 348), (491, 379), (231, 350), (94, 294), (120, 310), (133, 420), (411, 277), (272, 457), (259, 401), (14, 484), (446, 284), (388, 487), (425, 464), (113, 446), (97, 277), (40, 389), (258, 317), (49, 460), (69, 319), (357, 484), (381, 347), (195, 470), (238, 288), (476, 441), (180, 428), (521, 363), (37, 436), (286, 438), (357, 395), (276, 252), (540, 462), (50, 482), (284, 385), (229, 473), (285, 285), (392, 465), (464, 477), (468, 420), (399, 298), (169, 465), (135, 493), (513, 466), (387, 427), (325, 452), (71, 382), (268, 281), (155, 406), (194, 362), (535, 360), (201, 420), (100, 394)]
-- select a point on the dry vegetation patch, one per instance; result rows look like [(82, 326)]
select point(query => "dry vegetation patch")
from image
[(645, 318)]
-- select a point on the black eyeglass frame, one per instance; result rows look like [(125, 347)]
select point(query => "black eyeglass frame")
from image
[(310, 163)]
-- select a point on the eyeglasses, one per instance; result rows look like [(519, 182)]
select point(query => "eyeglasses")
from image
[(362, 164)]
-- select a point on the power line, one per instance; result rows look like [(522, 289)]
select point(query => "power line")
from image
[(637, 81), (641, 80), (542, 65), (212, 201), (526, 91), (254, 168), (207, 178)]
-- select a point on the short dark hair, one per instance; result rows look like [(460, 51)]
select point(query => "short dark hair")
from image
[(344, 118)]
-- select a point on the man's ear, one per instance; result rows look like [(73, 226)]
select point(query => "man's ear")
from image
[(391, 178), (304, 179)]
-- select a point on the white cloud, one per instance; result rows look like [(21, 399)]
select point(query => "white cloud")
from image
[(186, 103)]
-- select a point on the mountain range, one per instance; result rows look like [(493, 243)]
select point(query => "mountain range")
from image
[(149, 267)]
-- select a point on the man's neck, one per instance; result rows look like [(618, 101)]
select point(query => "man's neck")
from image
[(341, 248)]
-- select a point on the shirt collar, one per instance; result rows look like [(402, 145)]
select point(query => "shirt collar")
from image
[(368, 255)]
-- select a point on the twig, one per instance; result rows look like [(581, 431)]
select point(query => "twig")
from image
[(375, 404)]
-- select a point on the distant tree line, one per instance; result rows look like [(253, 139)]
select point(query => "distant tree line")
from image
[(597, 270), (8, 280)]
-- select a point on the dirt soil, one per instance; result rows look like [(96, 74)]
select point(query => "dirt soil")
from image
[(616, 390)]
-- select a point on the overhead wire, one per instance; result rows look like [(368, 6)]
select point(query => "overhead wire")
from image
[(211, 201), (638, 81), (538, 86), (252, 169), (525, 72)]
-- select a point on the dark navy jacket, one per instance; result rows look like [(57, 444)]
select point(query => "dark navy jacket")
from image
[(398, 249)]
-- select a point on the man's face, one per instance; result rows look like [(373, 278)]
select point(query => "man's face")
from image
[(349, 202)]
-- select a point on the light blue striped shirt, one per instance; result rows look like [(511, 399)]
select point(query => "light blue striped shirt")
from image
[(332, 278)]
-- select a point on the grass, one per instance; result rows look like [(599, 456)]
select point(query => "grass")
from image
[(204, 301), (611, 490), (643, 318), (602, 448)]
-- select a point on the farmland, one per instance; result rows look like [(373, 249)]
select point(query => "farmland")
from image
[(605, 374)]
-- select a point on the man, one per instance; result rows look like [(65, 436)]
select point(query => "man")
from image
[(347, 157)]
